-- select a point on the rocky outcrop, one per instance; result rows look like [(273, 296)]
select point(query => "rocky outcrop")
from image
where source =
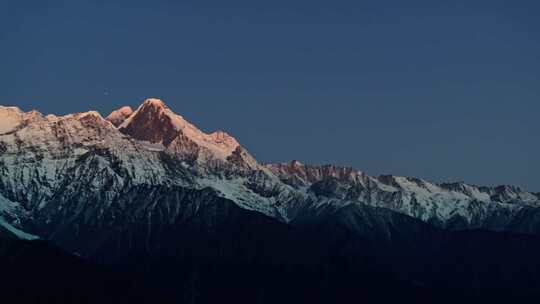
[(117, 117)]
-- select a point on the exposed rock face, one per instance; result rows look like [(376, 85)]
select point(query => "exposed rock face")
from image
[(152, 122), (298, 174), (12, 117), (119, 116)]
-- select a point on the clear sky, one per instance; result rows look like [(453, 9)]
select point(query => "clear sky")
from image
[(444, 90)]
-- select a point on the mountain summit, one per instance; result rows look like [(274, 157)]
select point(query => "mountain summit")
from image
[(154, 122), (10, 118), (119, 116)]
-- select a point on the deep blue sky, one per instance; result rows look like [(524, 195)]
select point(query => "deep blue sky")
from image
[(445, 90)]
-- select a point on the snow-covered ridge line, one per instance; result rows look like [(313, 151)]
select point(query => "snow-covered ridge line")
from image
[(439, 203), (3, 109), (44, 153), (315, 173), (58, 165), (11, 214), (218, 144), (456, 206), (10, 118), (13, 118)]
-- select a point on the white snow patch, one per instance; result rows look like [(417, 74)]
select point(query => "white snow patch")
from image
[(9, 209), (155, 147), (236, 191), (17, 232)]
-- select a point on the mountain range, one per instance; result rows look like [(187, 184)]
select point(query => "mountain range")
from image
[(144, 193)]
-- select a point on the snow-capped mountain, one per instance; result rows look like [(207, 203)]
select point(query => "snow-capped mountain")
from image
[(450, 205), (140, 173), (155, 124)]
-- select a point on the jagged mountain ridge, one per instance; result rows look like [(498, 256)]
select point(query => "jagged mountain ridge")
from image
[(187, 209), (449, 205), (54, 166)]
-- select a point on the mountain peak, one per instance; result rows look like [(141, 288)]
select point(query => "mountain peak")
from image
[(153, 121), (156, 123), (91, 113), (156, 102), (117, 117), (125, 110), (10, 118)]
